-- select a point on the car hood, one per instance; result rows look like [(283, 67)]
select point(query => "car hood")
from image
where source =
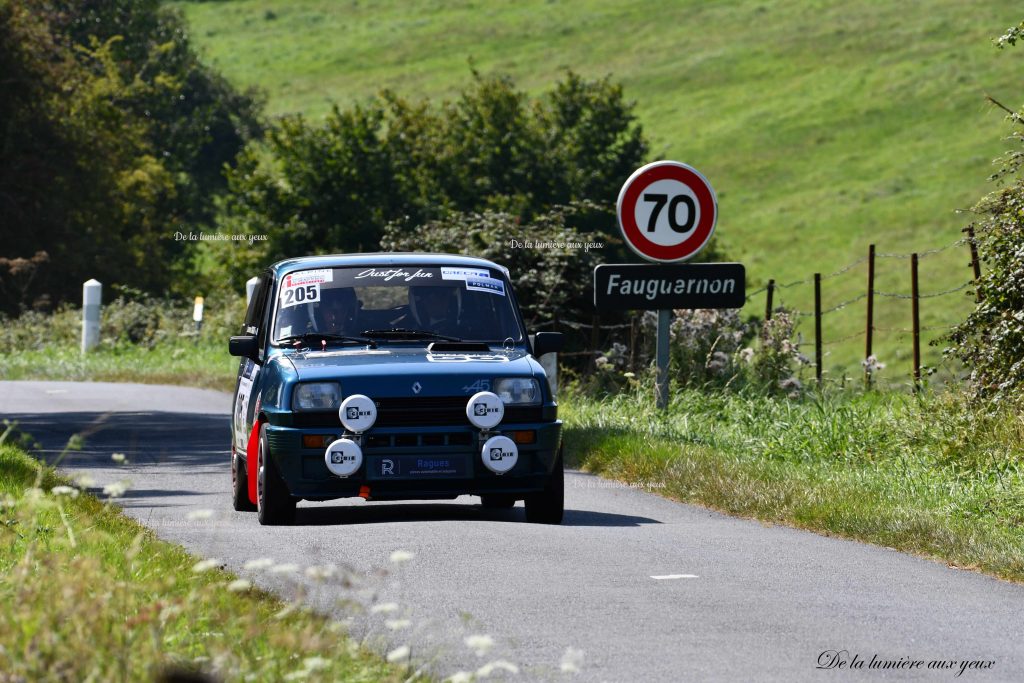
[(397, 370)]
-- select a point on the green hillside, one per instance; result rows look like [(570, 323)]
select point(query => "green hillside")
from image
[(824, 126)]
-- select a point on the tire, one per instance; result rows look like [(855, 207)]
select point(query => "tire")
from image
[(548, 506), (274, 504), (240, 486), (498, 501)]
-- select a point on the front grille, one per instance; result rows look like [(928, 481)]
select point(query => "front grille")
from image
[(416, 412)]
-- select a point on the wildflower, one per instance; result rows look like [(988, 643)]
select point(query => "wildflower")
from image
[(284, 568), (400, 556), (297, 675), (205, 565), (320, 573), (629, 375), (118, 458), (397, 624), (239, 585), (64, 491), (7, 501), (747, 355), (479, 643), (398, 654), (384, 608), (200, 514), (490, 667), (871, 364), (460, 677), (258, 564), (115, 489), (571, 660), (84, 481), (316, 663)]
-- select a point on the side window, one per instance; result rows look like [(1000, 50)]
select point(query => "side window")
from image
[(254, 314)]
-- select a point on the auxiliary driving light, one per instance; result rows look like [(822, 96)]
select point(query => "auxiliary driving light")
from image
[(344, 457), (485, 410), (500, 454), (357, 413)]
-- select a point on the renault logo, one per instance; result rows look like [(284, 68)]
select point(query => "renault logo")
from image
[(417, 387)]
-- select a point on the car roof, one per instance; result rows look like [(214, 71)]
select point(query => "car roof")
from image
[(382, 259)]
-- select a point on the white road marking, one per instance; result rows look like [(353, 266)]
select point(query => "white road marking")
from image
[(675, 576), (56, 391)]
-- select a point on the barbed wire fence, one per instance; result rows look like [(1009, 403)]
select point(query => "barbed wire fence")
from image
[(773, 289)]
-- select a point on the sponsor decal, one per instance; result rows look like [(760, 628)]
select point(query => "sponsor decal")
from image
[(481, 409), (486, 284), (341, 457), (308, 277), (463, 273), (300, 294), (387, 466), (392, 273)]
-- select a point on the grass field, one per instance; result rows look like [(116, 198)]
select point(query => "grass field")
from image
[(823, 126), (925, 475), (89, 594)]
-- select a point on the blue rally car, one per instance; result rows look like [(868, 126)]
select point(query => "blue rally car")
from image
[(392, 376)]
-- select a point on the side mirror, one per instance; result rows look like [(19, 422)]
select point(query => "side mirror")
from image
[(245, 346), (547, 342)]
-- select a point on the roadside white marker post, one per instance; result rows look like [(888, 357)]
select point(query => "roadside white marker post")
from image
[(197, 315), (667, 213), (92, 296), (250, 287)]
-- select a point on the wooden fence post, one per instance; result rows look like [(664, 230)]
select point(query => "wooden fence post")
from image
[(870, 326), (917, 320), (817, 327), (974, 263), (768, 300)]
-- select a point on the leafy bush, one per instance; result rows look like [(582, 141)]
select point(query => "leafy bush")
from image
[(703, 344), (333, 187), (991, 340)]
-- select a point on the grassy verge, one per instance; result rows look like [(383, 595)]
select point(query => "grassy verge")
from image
[(926, 474), (88, 594), (205, 364)]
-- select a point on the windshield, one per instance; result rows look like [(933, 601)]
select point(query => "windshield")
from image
[(390, 302)]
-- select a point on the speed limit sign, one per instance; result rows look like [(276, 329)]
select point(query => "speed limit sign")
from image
[(667, 211)]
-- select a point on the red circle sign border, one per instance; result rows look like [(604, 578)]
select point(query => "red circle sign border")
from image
[(626, 208)]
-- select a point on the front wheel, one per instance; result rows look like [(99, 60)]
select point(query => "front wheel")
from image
[(548, 506), (274, 505), (240, 485)]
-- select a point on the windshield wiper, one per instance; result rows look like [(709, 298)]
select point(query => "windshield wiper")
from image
[(403, 333), (312, 336)]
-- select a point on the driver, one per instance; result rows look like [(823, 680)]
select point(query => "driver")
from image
[(433, 308), (336, 310)]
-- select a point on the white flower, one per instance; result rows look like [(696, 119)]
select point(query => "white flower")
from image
[(239, 585), (64, 491), (84, 481), (297, 675), (258, 564), (400, 556), (398, 654), (284, 568), (384, 608), (115, 489), (460, 677), (118, 458), (205, 565), (316, 663), (200, 514), (571, 660), (479, 643), (320, 573), (490, 667), (397, 624), (747, 355)]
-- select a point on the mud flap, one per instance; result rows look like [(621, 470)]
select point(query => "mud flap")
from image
[(251, 455)]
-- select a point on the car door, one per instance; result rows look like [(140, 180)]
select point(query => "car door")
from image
[(248, 369)]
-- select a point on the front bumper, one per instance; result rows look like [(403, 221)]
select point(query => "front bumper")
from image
[(390, 456)]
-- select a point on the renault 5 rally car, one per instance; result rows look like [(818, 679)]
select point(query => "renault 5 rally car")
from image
[(387, 377)]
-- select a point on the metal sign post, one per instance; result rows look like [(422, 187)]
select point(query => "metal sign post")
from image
[(667, 213)]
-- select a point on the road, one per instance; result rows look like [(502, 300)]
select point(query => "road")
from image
[(749, 601)]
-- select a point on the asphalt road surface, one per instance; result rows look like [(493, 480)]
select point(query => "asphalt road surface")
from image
[(743, 601)]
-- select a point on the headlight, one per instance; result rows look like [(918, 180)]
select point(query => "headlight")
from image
[(518, 390), (316, 396)]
